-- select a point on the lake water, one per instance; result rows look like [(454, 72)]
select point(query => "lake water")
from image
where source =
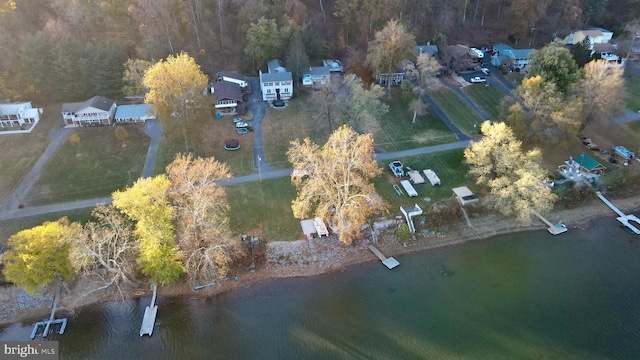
[(522, 296)]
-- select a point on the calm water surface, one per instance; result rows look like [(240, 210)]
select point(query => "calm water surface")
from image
[(523, 296)]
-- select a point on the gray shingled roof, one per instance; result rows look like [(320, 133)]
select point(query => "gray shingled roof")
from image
[(97, 102), (319, 71), (282, 76), (227, 90)]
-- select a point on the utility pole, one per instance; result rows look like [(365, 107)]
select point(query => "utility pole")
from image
[(533, 34), (259, 170)]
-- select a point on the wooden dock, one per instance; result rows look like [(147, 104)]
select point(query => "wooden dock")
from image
[(150, 312), (389, 262), (552, 229), (625, 220)]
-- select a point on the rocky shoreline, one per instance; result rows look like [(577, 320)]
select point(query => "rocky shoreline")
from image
[(284, 259)]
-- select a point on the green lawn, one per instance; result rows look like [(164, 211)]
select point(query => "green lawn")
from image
[(281, 126), (489, 98), (396, 131), (450, 167), (457, 110), (399, 133), (12, 226), (19, 152), (95, 167), (264, 209), (206, 138), (632, 83)]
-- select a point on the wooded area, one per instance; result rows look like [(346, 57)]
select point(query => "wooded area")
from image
[(67, 50)]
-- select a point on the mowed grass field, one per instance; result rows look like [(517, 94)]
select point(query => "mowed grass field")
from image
[(19, 152), (93, 168), (458, 111), (489, 98), (264, 208), (397, 132), (392, 132)]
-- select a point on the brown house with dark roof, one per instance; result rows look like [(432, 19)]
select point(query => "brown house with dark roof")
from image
[(228, 97)]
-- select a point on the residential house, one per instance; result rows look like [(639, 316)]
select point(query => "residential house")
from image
[(460, 59), (18, 115), (508, 57), (608, 53), (599, 43), (95, 111), (134, 113), (320, 75), (228, 97), (235, 77), (596, 36), (431, 50), (277, 83)]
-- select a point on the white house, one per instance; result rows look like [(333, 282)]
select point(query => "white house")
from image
[(321, 75), (95, 111), (134, 113), (277, 84), (596, 36), (18, 114)]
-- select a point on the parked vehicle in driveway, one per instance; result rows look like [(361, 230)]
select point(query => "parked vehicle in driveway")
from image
[(237, 120), (486, 71), (241, 124), (478, 79)]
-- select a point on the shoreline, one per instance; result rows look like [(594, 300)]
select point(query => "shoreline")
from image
[(324, 256)]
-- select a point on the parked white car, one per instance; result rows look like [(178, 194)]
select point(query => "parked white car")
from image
[(478, 79), (241, 124)]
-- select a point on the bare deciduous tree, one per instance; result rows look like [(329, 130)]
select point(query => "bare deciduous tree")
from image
[(202, 217)]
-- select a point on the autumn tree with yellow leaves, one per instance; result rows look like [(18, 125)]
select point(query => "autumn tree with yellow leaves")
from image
[(514, 179), (146, 202), (336, 185), (176, 88), (39, 256)]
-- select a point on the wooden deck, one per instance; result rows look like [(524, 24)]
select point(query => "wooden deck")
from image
[(389, 262)]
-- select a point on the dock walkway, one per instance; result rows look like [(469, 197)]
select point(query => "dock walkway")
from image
[(625, 220), (553, 229), (150, 312), (389, 262)]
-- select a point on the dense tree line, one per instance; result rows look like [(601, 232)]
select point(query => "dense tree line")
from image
[(70, 49)]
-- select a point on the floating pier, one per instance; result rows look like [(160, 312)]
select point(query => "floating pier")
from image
[(553, 229), (150, 313), (625, 220), (389, 262)]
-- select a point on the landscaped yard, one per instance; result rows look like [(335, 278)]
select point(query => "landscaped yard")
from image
[(458, 111), (93, 168), (206, 138), (489, 98), (19, 152)]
